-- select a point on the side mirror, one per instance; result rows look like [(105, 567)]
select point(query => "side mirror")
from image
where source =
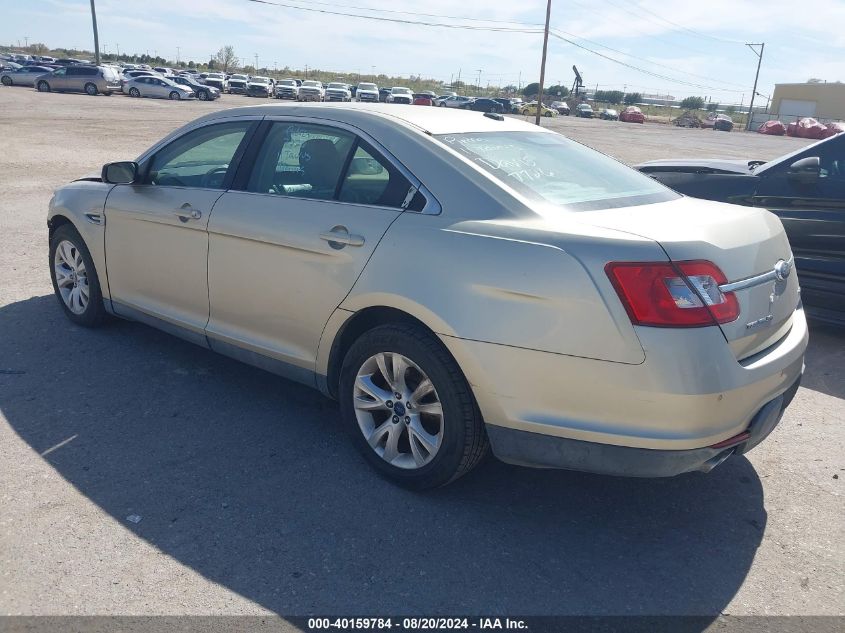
[(122, 173), (805, 171)]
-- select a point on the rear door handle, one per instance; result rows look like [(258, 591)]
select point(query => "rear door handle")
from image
[(340, 236), (187, 212)]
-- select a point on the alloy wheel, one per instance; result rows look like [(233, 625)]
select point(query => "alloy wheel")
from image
[(398, 410), (71, 277)]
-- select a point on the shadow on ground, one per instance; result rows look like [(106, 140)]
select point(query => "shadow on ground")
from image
[(250, 481)]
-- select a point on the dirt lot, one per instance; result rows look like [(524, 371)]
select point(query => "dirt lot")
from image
[(251, 500)]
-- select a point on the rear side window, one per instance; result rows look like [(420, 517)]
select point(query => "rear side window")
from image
[(200, 158), (372, 180)]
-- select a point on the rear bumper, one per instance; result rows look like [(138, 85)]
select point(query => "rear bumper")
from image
[(688, 394), (542, 451)]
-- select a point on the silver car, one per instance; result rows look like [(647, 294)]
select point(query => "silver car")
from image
[(457, 280), (91, 80), (23, 76), (158, 88)]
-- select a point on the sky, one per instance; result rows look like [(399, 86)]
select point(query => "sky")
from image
[(687, 48)]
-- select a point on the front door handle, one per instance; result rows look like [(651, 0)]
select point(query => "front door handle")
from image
[(340, 236), (187, 212)]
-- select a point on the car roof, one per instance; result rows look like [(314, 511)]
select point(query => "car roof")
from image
[(429, 120)]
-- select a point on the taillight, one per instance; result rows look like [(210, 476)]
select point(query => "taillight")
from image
[(673, 294)]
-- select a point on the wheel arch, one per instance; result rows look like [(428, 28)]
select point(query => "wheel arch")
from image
[(354, 325)]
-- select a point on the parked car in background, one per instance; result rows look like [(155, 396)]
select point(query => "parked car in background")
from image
[(338, 91), (423, 99), (367, 92), (260, 87), (157, 88), (91, 80), (628, 288), (530, 109), (287, 89), (129, 75), (7, 65), (310, 91), (383, 94), (483, 104), (715, 121), (202, 91), (399, 94), (23, 76), (632, 114), (217, 80), (609, 114), (441, 98), (237, 84), (805, 189), (562, 107), (584, 110), (457, 101), (164, 71)]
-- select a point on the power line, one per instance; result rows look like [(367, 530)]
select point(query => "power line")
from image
[(684, 28), (467, 27), (642, 70), (646, 60)]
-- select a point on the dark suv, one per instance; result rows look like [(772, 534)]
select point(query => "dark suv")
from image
[(88, 79)]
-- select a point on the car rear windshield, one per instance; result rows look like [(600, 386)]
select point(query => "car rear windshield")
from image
[(551, 168)]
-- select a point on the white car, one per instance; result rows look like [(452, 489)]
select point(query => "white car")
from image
[(398, 94), (310, 90), (455, 279), (366, 92), (338, 92), (287, 89)]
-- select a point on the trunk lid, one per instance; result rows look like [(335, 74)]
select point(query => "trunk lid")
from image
[(745, 243)]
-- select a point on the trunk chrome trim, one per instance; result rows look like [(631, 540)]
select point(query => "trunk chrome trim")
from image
[(776, 274)]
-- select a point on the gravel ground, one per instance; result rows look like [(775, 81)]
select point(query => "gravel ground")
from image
[(251, 501)]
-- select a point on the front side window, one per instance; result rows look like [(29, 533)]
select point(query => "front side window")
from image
[(198, 159), (305, 161), (551, 168)]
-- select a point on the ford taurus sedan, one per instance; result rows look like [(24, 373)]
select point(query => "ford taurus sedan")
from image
[(456, 280)]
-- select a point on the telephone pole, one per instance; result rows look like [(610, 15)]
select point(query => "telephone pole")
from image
[(759, 55), (543, 63), (96, 35), (178, 54)]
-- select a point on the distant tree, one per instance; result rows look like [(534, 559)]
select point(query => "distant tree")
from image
[(692, 103), (225, 57), (612, 97), (191, 64), (712, 106), (509, 89), (456, 85), (38, 48), (211, 64), (633, 97), (557, 91), (531, 90)]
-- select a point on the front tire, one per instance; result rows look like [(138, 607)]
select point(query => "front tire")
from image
[(7, 81), (174, 96), (134, 92), (43, 86), (203, 95), (75, 280), (432, 433)]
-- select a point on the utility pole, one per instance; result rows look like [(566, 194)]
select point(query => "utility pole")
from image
[(543, 63), (178, 54), (117, 46), (478, 82), (96, 34), (256, 62), (26, 39), (759, 55)]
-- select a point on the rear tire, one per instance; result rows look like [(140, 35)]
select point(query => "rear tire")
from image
[(43, 86), (73, 274), (91, 89), (7, 81), (452, 417)]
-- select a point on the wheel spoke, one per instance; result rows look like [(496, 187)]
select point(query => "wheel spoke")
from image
[(391, 447), (423, 444), (381, 361), (63, 276), (431, 408), (422, 390), (400, 367), (366, 384), (378, 433)]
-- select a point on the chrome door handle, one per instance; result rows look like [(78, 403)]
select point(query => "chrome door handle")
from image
[(340, 236), (187, 212)]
